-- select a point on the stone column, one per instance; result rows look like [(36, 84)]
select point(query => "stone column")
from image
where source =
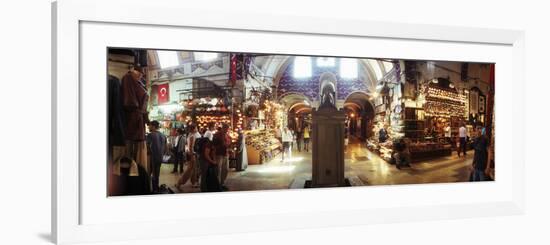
[(328, 147)]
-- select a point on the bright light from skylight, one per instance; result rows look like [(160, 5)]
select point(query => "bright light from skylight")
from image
[(348, 68), (325, 62), (302, 67), (167, 58), (377, 69), (204, 56)]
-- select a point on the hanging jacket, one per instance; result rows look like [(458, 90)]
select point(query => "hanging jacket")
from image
[(134, 102)]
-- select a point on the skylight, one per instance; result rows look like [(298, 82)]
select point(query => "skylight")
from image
[(167, 58), (325, 62), (302, 67), (348, 68), (204, 56)]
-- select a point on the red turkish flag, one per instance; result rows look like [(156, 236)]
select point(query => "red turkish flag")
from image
[(163, 93)]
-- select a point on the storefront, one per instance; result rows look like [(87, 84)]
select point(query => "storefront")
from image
[(437, 99)]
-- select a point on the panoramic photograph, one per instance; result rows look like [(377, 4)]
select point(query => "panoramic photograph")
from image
[(192, 121)]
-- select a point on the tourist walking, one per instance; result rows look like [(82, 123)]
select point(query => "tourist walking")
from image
[(299, 137), (191, 172)]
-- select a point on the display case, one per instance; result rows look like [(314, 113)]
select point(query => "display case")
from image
[(261, 146)]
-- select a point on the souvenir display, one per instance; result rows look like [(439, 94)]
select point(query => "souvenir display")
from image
[(261, 146)]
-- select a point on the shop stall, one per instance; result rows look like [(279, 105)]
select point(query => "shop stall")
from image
[(432, 125), (262, 143), (261, 146)]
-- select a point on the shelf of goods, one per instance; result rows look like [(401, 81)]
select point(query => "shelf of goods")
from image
[(261, 146), (421, 151), (445, 103)]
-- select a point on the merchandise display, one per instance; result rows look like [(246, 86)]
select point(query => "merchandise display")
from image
[(273, 114), (444, 103), (386, 150), (204, 118), (261, 146)]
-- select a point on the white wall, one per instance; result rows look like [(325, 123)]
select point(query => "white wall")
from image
[(25, 206)]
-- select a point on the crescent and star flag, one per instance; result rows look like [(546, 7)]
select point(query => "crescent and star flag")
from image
[(163, 93)]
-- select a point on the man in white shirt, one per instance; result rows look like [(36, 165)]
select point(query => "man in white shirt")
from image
[(462, 134), (210, 131)]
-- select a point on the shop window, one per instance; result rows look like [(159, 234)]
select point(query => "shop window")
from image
[(325, 62), (204, 57), (302, 67), (348, 68), (167, 58)]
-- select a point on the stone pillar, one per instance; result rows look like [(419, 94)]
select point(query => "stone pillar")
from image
[(328, 147)]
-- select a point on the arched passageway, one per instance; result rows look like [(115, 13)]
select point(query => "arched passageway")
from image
[(360, 113)]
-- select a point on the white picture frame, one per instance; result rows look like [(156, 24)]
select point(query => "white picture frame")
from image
[(72, 20)]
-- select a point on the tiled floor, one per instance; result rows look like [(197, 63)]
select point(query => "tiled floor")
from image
[(362, 168)]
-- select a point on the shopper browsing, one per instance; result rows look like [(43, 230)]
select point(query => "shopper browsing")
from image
[(156, 142)]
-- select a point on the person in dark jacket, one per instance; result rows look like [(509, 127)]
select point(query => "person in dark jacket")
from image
[(156, 142), (179, 151), (382, 135), (481, 156), (222, 143)]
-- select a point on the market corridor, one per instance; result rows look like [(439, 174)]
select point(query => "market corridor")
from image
[(363, 168)]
